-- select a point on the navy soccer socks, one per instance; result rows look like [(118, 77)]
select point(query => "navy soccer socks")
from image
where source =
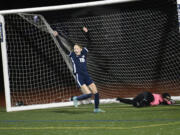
[(96, 100), (84, 96)]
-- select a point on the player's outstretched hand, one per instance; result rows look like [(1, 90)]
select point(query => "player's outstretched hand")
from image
[(55, 33), (173, 101), (85, 29)]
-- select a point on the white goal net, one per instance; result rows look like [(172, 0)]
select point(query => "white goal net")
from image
[(134, 48)]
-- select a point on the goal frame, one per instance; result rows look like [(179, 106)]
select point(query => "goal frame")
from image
[(9, 108)]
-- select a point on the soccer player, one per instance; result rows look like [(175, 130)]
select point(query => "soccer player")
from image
[(78, 57), (148, 99)]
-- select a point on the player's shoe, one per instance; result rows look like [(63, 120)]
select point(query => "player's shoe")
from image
[(75, 101), (97, 110)]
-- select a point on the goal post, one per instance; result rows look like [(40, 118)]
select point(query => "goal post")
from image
[(68, 6), (18, 105), (5, 63), (134, 49)]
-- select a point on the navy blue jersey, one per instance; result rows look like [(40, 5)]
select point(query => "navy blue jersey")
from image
[(79, 62)]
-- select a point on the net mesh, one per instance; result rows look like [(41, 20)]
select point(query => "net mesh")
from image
[(134, 47), (37, 71)]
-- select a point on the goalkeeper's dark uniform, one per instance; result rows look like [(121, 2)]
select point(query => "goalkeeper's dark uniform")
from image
[(141, 100)]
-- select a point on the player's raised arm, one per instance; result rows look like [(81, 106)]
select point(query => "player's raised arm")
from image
[(86, 32), (55, 33), (65, 43)]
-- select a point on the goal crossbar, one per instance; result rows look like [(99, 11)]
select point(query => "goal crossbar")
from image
[(63, 7)]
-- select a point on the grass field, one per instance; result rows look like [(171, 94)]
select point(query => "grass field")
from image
[(119, 119)]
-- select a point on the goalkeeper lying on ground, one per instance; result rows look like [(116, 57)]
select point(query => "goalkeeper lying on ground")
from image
[(148, 99)]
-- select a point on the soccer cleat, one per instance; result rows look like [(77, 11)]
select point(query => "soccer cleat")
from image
[(75, 101), (97, 110)]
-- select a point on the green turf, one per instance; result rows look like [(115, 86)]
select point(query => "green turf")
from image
[(119, 119)]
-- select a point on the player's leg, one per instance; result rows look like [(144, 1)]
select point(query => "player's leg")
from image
[(87, 93), (135, 102), (143, 99), (124, 100), (94, 90), (138, 101)]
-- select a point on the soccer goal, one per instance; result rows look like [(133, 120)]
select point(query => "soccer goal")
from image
[(134, 48)]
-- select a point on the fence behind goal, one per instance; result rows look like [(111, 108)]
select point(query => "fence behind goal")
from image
[(134, 48)]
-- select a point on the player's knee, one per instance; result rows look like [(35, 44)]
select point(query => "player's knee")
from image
[(85, 89), (93, 88)]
